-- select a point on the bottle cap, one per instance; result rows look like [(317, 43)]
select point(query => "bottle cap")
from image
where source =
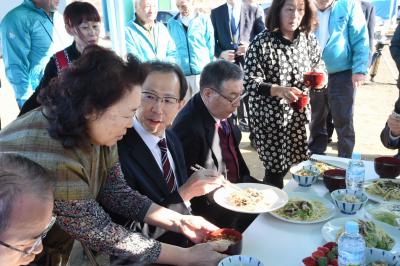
[(351, 227), (356, 156)]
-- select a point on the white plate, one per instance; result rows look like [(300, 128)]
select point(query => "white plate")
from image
[(332, 227), (380, 199), (276, 198), (306, 196)]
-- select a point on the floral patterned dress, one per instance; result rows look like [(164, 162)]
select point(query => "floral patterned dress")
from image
[(279, 130)]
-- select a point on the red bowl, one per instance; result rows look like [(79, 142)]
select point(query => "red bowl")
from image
[(301, 102), (313, 80), (387, 167), (227, 234), (334, 179)]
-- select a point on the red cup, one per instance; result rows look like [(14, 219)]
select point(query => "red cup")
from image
[(301, 103), (313, 80)]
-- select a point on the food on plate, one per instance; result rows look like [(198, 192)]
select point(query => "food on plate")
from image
[(305, 172), (350, 199), (374, 236), (302, 210), (386, 213), (247, 198), (325, 255), (322, 167), (378, 263), (387, 189)]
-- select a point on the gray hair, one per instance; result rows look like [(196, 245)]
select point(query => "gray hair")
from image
[(19, 175), (215, 73)]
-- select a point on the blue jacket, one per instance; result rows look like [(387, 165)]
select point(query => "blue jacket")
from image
[(139, 44), (348, 45), (29, 38), (195, 48)]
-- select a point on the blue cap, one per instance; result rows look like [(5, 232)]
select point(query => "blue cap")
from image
[(356, 156), (351, 227)]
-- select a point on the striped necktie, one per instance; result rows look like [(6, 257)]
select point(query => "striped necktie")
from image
[(167, 169)]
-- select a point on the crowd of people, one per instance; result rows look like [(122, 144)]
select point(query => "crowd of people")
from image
[(104, 149)]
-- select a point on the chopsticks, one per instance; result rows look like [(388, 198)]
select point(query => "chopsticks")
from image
[(226, 183)]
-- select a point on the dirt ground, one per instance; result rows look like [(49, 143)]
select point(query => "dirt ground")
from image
[(374, 102)]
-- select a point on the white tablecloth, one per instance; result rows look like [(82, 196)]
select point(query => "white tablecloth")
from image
[(279, 243)]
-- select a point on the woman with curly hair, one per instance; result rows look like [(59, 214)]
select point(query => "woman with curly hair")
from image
[(274, 67), (73, 134)]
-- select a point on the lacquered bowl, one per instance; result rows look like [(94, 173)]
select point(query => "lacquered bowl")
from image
[(227, 234), (334, 179), (387, 167)]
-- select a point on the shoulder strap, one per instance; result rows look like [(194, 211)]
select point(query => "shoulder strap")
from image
[(62, 60)]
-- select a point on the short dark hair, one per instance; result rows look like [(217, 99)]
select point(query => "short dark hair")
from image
[(78, 12), (307, 24), (19, 175), (164, 67), (93, 83), (215, 73)]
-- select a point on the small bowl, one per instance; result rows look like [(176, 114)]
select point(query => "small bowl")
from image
[(387, 167), (334, 179), (305, 180), (240, 260), (374, 254), (227, 234), (347, 207)]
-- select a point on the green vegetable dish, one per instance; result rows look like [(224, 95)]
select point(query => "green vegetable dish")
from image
[(374, 236), (302, 210)]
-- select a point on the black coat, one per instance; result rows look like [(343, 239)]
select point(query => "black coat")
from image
[(195, 127), (251, 24)]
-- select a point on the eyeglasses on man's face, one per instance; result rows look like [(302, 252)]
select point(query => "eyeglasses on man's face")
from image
[(153, 98), (231, 100), (36, 244)]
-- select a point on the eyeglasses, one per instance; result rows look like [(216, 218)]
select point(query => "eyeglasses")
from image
[(36, 244), (153, 98), (234, 100)]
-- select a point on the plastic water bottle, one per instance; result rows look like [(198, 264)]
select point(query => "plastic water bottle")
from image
[(351, 246), (355, 173)]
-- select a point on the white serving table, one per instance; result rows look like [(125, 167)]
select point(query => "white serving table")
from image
[(279, 243)]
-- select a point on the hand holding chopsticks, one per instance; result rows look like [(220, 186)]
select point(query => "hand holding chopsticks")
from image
[(226, 183)]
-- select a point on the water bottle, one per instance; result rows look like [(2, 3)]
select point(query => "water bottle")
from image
[(351, 246), (355, 173)]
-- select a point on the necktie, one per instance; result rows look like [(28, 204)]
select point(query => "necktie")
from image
[(225, 127), (234, 29), (167, 170)]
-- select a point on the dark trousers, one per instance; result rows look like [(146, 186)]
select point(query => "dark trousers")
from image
[(339, 99), (275, 179)]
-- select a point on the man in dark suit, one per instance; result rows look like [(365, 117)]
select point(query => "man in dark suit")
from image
[(235, 24), (211, 139), (151, 156)]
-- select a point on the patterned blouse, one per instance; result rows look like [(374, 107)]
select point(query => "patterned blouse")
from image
[(279, 130), (86, 181)]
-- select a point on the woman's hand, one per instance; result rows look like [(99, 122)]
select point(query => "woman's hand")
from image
[(195, 227), (200, 183), (206, 254), (287, 93)]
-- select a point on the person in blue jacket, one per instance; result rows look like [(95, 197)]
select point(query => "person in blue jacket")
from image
[(193, 34), (343, 37), (146, 38), (31, 33)]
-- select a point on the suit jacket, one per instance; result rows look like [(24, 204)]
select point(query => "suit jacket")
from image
[(251, 24), (385, 138), (195, 127), (143, 174), (369, 13)]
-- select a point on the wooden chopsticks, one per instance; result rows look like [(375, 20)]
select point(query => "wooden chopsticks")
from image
[(226, 183)]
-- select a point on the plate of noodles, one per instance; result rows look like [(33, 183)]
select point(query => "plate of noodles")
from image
[(384, 190), (305, 208), (251, 198)]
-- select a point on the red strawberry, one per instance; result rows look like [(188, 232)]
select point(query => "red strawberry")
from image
[(309, 261), (324, 249), (317, 254)]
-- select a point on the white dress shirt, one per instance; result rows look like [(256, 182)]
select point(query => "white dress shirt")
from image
[(151, 142), (236, 12)]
